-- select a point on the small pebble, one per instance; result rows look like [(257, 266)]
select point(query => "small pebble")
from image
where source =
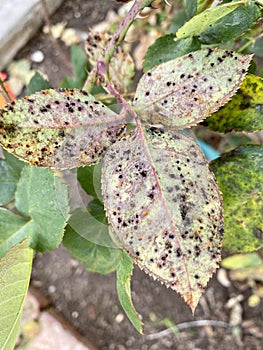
[(37, 57), (75, 314), (51, 289), (119, 318)]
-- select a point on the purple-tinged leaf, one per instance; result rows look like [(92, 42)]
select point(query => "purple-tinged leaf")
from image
[(186, 90), (165, 208), (59, 128)]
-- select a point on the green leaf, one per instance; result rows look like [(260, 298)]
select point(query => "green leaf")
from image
[(232, 25), (177, 21), (96, 258), (15, 269), (92, 224), (43, 199), (190, 7), (165, 208), (166, 48), (123, 285), (244, 112), (240, 178), (90, 179), (241, 261), (200, 22), (10, 169), (59, 128), (12, 230), (186, 90), (79, 66), (37, 83), (257, 47)]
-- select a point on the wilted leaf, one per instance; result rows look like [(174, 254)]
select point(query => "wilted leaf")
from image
[(15, 269), (123, 285), (240, 178), (59, 128), (121, 67), (244, 112), (165, 208), (43, 199), (96, 258), (186, 90), (10, 169), (166, 48), (232, 25), (205, 19)]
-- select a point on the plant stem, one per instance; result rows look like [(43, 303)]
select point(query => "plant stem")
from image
[(115, 41), (4, 92)]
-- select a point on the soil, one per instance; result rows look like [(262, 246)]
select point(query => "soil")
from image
[(89, 300)]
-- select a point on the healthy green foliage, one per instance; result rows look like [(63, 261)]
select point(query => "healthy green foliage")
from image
[(10, 170), (59, 128), (79, 67), (95, 257), (89, 177), (232, 25), (123, 285), (165, 208), (240, 178), (186, 90), (15, 269), (166, 48), (42, 198), (244, 112), (37, 83)]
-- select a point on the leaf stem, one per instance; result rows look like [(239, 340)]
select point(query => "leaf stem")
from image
[(115, 41), (4, 91)]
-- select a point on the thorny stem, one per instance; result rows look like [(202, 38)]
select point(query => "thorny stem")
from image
[(116, 39), (55, 43)]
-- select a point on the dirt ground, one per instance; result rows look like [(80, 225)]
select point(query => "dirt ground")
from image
[(89, 301)]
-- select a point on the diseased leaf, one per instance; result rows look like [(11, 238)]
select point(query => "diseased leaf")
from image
[(10, 169), (166, 48), (123, 285), (12, 230), (244, 112), (240, 178), (121, 66), (205, 19), (15, 269), (96, 258), (232, 25), (59, 128), (43, 199), (186, 90), (165, 208)]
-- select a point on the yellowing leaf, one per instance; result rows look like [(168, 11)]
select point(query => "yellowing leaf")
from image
[(59, 128), (201, 21), (15, 269), (165, 208), (184, 91), (244, 112)]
